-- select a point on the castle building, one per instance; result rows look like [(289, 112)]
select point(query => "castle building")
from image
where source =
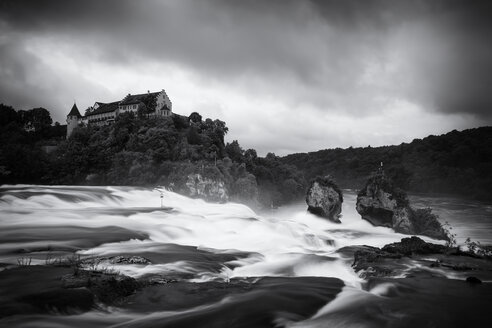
[(151, 104), (73, 119)]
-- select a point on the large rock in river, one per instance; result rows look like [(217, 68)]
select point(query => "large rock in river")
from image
[(325, 199), (382, 204)]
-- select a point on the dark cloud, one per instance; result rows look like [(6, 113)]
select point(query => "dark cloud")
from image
[(350, 57), (26, 82)]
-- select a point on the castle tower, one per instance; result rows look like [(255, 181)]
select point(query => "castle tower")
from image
[(73, 119)]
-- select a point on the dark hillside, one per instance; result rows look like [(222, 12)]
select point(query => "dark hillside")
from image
[(454, 163)]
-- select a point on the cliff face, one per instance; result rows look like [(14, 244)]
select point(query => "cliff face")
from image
[(207, 188), (380, 203)]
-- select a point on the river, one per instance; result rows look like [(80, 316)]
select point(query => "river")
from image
[(202, 243)]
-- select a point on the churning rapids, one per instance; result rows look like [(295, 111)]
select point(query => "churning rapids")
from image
[(219, 265)]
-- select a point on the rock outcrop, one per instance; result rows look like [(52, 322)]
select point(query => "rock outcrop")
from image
[(414, 257), (382, 204), (325, 199), (209, 189), (414, 245)]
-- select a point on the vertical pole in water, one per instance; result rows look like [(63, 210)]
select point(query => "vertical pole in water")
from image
[(162, 196)]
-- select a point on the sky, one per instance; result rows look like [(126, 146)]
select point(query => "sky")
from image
[(286, 76)]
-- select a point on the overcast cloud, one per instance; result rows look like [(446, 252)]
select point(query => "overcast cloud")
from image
[(286, 76)]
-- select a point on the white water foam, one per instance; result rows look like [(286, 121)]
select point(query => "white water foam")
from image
[(287, 242)]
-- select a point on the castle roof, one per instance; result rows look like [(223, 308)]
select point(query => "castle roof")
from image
[(104, 108), (74, 111), (141, 98)]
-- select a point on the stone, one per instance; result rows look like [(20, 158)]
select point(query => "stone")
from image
[(413, 257), (207, 188), (409, 246), (382, 204), (110, 288), (129, 260), (325, 199), (473, 280)]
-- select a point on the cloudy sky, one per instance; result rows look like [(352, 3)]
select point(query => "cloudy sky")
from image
[(286, 76)]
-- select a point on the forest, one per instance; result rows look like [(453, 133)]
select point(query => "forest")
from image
[(457, 163), (141, 151)]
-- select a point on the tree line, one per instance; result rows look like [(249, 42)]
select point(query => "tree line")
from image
[(142, 151), (458, 163)]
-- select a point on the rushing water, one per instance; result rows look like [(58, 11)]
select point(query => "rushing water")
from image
[(198, 241)]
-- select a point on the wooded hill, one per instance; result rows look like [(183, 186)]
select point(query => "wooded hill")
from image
[(140, 151), (454, 163)]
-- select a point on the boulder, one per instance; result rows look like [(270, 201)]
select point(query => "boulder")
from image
[(325, 199), (473, 280), (382, 204), (207, 188), (414, 245), (109, 287)]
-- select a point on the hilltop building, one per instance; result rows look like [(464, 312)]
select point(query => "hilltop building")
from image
[(155, 104), (73, 119)]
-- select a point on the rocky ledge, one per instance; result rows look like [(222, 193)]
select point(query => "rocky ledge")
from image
[(414, 257), (211, 189)]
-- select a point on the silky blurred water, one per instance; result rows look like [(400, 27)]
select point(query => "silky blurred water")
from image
[(288, 241), (202, 241)]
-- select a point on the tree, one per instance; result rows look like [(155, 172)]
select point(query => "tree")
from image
[(195, 117), (7, 115), (250, 154), (193, 137), (39, 118), (150, 103), (235, 152)]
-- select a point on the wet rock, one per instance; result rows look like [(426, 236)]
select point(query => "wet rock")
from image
[(110, 288), (379, 206), (129, 260), (473, 280), (409, 246), (38, 289), (101, 261), (413, 257), (382, 204), (325, 199), (371, 261), (207, 188)]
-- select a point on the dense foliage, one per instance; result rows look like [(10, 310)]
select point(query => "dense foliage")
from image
[(25, 138), (278, 182), (455, 163), (137, 150)]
